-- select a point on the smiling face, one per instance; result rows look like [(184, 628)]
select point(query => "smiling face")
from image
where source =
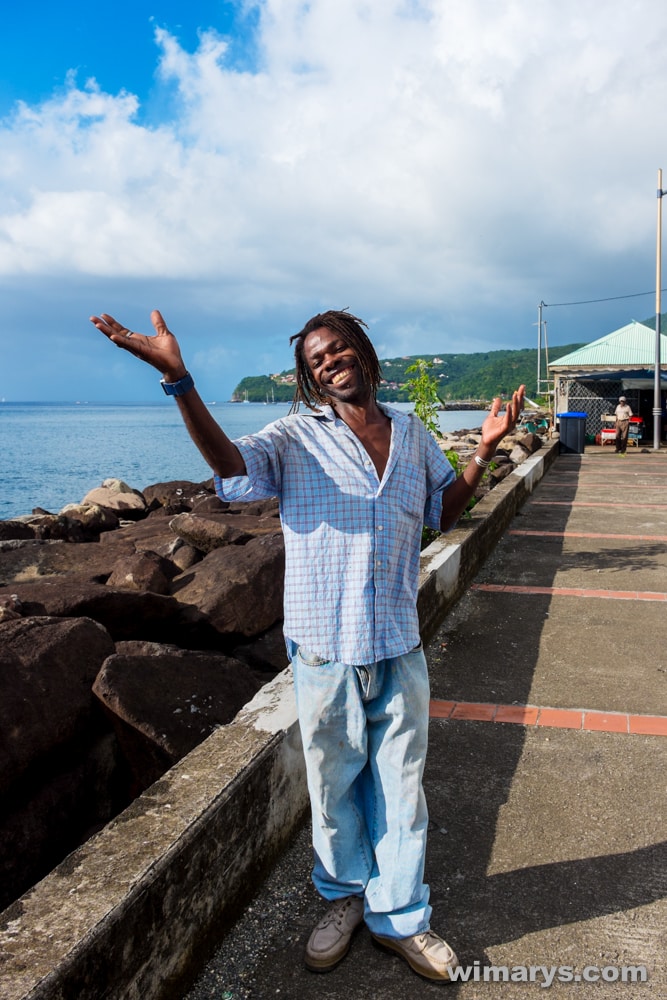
[(335, 367)]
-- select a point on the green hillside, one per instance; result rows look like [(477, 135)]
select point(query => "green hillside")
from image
[(460, 376)]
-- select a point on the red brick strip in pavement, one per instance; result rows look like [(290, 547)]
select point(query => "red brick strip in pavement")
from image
[(619, 476), (590, 503), (561, 487), (587, 474), (587, 534), (638, 466), (609, 595), (556, 718)]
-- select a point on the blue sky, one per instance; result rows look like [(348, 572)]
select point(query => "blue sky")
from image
[(437, 166)]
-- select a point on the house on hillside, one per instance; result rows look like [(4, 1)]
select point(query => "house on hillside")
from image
[(591, 379)]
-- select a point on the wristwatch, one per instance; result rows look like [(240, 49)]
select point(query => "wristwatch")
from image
[(178, 388)]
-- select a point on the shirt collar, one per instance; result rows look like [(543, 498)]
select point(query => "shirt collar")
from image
[(326, 412)]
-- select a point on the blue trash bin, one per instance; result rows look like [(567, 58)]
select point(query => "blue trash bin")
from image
[(572, 432)]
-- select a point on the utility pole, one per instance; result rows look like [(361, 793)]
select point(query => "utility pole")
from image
[(539, 345), (657, 396)]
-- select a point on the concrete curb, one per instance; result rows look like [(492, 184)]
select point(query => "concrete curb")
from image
[(135, 909)]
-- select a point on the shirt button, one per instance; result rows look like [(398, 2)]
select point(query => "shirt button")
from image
[(380, 527)]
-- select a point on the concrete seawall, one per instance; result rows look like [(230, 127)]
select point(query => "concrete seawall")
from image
[(131, 912)]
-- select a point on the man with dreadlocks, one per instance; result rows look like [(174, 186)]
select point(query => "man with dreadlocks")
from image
[(356, 481)]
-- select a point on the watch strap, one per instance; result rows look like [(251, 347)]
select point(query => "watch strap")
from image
[(180, 387)]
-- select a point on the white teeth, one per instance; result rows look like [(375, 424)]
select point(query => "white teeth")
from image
[(339, 376)]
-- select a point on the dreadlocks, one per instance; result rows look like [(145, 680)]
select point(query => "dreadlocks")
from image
[(349, 329)]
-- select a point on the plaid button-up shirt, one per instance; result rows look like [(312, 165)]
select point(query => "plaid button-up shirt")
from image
[(352, 541)]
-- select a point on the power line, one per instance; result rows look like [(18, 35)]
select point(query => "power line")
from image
[(588, 302)]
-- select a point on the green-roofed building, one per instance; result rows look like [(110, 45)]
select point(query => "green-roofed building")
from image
[(591, 379)]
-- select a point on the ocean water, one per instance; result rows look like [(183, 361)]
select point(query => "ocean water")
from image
[(52, 454)]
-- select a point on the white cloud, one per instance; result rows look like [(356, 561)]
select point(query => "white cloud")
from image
[(424, 158)]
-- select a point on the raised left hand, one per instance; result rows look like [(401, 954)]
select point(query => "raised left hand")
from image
[(502, 421), (161, 350)]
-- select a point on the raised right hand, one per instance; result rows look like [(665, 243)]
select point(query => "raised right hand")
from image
[(161, 351)]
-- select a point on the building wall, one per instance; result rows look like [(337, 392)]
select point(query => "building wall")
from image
[(593, 399)]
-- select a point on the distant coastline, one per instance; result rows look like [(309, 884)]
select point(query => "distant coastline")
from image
[(451, 404), (465, 381), (479, 404)]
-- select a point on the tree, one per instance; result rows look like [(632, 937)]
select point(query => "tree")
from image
[(423, 392)]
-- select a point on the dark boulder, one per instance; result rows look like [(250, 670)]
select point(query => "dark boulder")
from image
[(47, 669), (208, 533), (238, 587), (126, 614), (11, 530), (143, 571), (93, 519), (531, 442), (30, 561), (58, 756), (501, 472), (255, 508), (265, 655), (163, 702), (215, 530), (181, 493)]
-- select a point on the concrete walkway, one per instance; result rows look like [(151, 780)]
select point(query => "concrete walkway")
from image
[(546, 771)]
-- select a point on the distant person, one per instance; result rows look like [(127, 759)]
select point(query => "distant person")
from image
[(623, 414), (356, 481)]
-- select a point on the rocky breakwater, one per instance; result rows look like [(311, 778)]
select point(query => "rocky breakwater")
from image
[(513, 450), (131, 625)]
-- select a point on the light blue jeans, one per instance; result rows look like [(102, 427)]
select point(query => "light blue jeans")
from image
[(365, 734)]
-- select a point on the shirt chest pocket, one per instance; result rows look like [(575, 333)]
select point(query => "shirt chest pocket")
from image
[(407, 491)]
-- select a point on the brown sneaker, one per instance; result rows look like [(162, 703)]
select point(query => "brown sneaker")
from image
[(330, 941), (426, 954)]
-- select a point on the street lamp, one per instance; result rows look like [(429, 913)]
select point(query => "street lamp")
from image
[(657, 403)]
